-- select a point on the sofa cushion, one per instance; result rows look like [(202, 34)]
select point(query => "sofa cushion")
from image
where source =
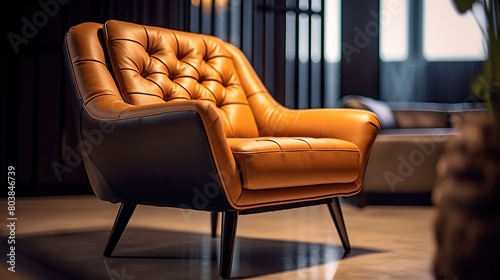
[(405, 160), (421, 118), (281, 162), (380, 108)]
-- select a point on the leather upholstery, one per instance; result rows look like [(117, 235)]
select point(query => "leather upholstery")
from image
[(284, 162), (194, 127), (156, 65)]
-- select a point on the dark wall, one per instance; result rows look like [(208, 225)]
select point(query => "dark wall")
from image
[(359, 68)]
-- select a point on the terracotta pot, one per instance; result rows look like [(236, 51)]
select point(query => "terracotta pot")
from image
[(467, 195)]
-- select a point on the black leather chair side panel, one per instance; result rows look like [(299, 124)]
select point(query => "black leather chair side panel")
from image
[(77, 107), (175, 149), (159, 144)]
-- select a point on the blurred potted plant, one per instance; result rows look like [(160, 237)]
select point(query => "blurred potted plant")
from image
[(467, 191), (487, 14)]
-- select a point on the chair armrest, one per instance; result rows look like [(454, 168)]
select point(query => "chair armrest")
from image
[(347, 124), (275, 120), (155, 151), (360, 127)]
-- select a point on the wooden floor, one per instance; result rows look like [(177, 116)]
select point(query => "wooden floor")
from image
[(63, 238)]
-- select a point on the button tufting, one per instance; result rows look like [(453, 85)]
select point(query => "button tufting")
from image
[(150, 52), (179, 55), (172, 75)]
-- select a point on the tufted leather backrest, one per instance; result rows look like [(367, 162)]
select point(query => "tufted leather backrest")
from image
[(154, 65)]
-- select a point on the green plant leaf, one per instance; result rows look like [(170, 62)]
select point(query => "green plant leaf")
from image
[(463, 5)]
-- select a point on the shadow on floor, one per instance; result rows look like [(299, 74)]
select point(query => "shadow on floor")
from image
[(163, 254)]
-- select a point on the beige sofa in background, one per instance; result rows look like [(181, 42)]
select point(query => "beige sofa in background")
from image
[(402, 165)]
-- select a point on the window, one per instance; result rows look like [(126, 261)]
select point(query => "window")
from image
[(332, 31), (308, 75), (394, 30), (428, 51), (449, 35), (309, 31), (446, 35), (312, 53)]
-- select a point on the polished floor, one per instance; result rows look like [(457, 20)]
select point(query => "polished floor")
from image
[(63, 238)]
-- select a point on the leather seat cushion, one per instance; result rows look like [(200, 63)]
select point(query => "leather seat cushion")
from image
[(281, 162)]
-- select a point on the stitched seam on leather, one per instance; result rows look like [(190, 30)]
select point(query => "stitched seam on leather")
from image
[(219, 56), (126, 39), (206, 49), (206, 58), (129, 69), (213, 94), (161, 61), (214, 122), (294, 151), (220, 74), (234, 103), (136, 71), (190, 97), (204, 99), (375, 126), (97, 95), (270, 140), (178, 46), (88, 60), (196, 69), (209, 80), (183, 76), (162, 92), (144, 93), (120, 117), (254, 93), (157, 73), (300, 139), (147, 39), (180, 98)]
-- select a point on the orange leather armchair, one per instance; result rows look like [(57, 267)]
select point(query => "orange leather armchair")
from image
[(175, 119)]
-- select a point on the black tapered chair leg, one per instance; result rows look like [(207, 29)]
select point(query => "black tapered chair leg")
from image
[(338, 219), (121, 221), (214, 219), (228, 235)]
